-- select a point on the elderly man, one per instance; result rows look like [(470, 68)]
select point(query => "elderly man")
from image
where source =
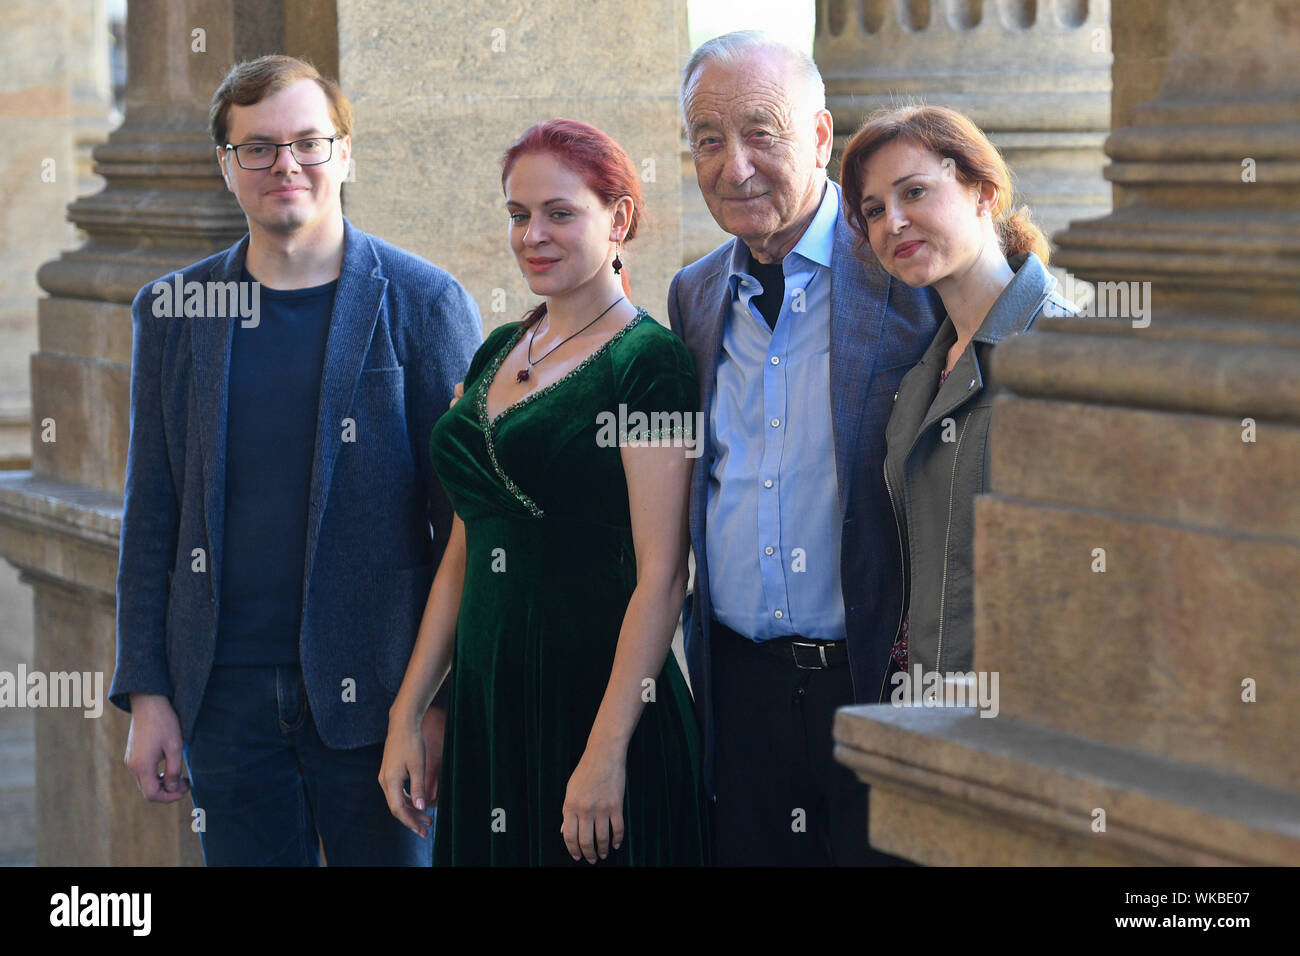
[(800, 345)]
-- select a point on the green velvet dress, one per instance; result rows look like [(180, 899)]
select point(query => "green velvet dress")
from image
[(549, 571)]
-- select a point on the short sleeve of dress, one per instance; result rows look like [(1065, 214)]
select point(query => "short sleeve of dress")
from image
[(655, 381), (496, 340)]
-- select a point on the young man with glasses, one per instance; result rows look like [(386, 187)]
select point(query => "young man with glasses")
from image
[(282, 521)]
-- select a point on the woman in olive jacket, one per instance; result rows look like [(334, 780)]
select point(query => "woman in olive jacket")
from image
[(932, 198)]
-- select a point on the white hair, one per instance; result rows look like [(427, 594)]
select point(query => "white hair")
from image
[(734, 47)]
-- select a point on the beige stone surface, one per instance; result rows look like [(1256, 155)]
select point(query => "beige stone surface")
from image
[(949, 787), (1205, 477), (1209, 89), (1034, 77), (90, 86), (80, 756), (38, 178), (84, 328), (1152, 654), (88, 403), (60, 534), (440, 92)]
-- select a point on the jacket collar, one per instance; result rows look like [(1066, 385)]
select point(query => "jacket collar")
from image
[(816, 245), (1015, 309), (357, 302), (230, 266), (358, 256)]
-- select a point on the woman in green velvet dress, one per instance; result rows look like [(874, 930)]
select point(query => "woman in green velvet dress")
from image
[(570, 733)]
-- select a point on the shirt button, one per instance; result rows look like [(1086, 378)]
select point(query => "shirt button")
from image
[(778, 613), (768, 483), (775, 360), (768, 549), (776, 423)]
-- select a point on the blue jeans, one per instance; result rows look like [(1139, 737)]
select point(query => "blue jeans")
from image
[(273, 794)]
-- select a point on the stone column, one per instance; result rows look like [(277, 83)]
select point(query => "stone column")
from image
[(1137, 557), (1035, 76), (90, 87), (41, 44), (54, 105), (440, 91), (163, 207)]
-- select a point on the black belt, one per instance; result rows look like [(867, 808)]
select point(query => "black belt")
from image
[(805, 653)]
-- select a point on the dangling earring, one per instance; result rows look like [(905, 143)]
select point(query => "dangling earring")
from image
[(618, 261)]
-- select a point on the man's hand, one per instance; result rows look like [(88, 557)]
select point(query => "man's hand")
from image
[(154, 738), (457, 393), (432, 727)]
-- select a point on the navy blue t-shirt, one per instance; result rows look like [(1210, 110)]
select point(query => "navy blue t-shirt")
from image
[(275, 376)]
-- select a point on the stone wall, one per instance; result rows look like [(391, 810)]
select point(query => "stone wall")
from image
[(1035, 76), (440, 91)]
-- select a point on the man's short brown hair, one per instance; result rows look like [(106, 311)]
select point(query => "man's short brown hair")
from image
[(254, 80)]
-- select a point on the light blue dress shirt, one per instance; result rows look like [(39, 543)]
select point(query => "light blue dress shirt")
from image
[(773, 526)]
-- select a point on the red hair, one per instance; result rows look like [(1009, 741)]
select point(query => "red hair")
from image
[(602, 163)]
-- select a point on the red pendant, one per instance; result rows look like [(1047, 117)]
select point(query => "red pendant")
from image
[(522, 375)]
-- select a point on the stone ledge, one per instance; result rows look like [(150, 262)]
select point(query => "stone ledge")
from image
[(1207, 378), (60, 534), (60, 506), (1209, 479), (1157, 810)]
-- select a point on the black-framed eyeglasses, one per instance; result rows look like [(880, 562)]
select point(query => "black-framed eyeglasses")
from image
[(308, 152)]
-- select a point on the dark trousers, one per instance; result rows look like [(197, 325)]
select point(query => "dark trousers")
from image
[(782, 799), (272, 793)]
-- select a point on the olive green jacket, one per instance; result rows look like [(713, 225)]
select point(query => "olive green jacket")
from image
[(937, 462)]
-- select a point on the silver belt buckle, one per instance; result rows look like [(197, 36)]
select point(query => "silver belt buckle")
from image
[(821, 651)]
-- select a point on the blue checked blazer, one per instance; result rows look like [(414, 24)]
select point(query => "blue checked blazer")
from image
[(401, 335), (879, 329)]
